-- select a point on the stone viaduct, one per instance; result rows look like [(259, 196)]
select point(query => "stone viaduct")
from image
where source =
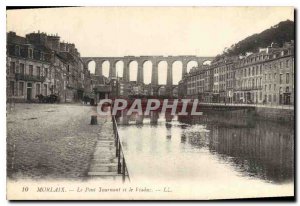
[(155, 60)]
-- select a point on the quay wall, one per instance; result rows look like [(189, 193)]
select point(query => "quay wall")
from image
[(261, 113), (275, 114)]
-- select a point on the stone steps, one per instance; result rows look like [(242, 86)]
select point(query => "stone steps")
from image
[(99, 174), (104, 163), (97, 168), (111, 160)]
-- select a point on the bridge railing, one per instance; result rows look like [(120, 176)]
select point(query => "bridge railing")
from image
[(281, 106), (122, 167)]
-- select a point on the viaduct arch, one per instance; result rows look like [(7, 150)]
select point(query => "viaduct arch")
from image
[(155, 60)]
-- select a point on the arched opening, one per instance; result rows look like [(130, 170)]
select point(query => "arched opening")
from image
[(119, 68), (177, 71), (162, 72), (207, 62), (147, 67), (162, 91), (191, 65), (133, 69), (175, 91), (92, 67), (105, 68)]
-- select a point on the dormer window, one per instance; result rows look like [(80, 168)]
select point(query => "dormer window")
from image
[(17, 50), (30, 53)]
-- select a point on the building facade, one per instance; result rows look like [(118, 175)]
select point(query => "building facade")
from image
[(39, 64), (278, 75), (265, 77)]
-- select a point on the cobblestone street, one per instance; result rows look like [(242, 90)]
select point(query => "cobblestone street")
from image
[(51, 141)]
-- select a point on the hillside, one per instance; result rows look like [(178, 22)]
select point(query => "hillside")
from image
[(280, 33)]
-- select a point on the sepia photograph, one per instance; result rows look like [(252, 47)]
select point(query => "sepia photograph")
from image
[(150, 103)]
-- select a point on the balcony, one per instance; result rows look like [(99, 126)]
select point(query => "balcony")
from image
[(251, 88), (32, 78)]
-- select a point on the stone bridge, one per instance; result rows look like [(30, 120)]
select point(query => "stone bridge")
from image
[(155, 60)]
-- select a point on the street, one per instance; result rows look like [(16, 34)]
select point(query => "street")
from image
[(50, 140)]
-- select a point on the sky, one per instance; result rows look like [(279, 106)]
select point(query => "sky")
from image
[(142, 31), (120, 31)]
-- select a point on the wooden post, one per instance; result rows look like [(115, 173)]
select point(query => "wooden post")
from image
[(123, 170), (117, 148), (119, 162), (94, 120)]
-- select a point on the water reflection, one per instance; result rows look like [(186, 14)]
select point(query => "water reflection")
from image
[(256, 149)]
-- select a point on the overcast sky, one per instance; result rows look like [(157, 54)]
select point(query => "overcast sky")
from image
[(113, 31), (116, 31)]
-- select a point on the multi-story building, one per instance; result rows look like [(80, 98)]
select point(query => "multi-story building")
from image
[(216, 85), (192, 81), (259, 76), (264, 77), (208, 83), (198, 83), (223, 79), (182, 88), (28, 69), (39, 64), (278, 75), (248, 78)]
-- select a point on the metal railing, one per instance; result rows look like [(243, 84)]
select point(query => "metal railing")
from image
[(122, 167), (27, 77), (267, 105)]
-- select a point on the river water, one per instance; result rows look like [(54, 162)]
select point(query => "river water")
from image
[(222, 149)]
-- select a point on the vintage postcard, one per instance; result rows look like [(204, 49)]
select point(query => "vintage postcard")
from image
[(150, 103)]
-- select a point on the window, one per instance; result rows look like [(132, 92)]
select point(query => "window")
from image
[(274, 87), (38, 71), (45, 89), (280, 79), (21, 88), (22, 68), (287, 63), (260, 70), (30, 53), (11, 88), (30, 70), (260, 95), (274, 98), (12, 67), (280, 64), (260, 81), (270, 86), (287, 78), (46, 72), (275, 75), (287, 89), (38, 89), (17, 51)]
